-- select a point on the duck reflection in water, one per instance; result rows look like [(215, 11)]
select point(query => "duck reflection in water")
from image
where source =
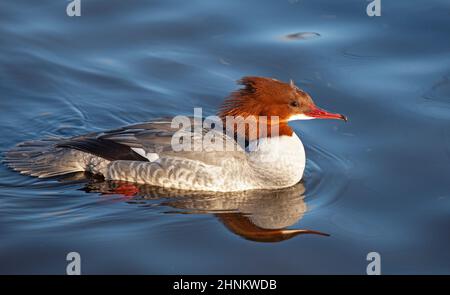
[(261, 216)]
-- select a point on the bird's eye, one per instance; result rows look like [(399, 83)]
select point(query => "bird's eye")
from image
[(294, 104)]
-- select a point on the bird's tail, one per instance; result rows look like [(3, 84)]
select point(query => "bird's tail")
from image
[(42, 158)]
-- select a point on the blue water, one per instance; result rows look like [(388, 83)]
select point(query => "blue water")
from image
[(379, 183)]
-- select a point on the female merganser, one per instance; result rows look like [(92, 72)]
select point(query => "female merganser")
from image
[(143, 153)]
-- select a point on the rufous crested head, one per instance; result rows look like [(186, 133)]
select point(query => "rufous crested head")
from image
[(262, 96), (268, 97)]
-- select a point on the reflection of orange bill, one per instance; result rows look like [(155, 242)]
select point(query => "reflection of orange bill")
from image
[(241, 225)]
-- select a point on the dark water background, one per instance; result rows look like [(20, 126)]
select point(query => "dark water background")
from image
[(380, 183)]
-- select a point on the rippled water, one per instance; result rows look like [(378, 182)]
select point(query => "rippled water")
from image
[(378, 183)]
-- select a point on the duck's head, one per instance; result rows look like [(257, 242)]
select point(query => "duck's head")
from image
[(269, 97)]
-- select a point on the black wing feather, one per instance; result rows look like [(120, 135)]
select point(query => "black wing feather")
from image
[(104, 148)]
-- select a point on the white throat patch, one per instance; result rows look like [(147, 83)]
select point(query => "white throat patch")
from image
[(300, 117)]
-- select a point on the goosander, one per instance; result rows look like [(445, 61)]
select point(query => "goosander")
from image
[(144, 153)]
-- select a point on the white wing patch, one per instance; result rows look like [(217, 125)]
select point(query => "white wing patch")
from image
[(150, 156)]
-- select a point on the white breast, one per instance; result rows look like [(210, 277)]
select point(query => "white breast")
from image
[(278, 161)]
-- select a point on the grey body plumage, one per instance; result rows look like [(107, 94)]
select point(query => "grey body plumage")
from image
[(118, 154)]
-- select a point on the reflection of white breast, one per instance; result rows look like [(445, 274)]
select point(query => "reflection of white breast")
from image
[(279, 161)]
